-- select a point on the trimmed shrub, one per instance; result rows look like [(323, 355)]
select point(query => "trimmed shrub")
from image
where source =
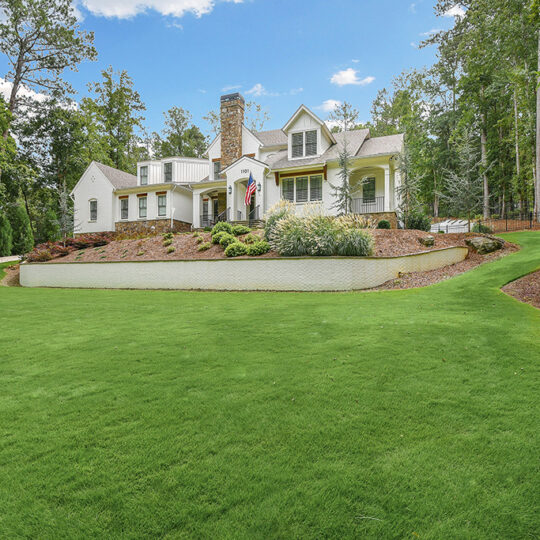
[(238, 230), (22, 235), (481, 228), (217, 237), (258, 248), (6, 236), (171, 249), (418, 220), (384, 224), (235, 249), (227, 239), (251, 238), (275, 214), (222, 226), (204, 247), (355, 243)]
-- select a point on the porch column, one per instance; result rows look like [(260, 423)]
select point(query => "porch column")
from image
[(397, 183), (387, 188), (195, 198)]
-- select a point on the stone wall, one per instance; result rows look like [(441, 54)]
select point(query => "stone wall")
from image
[(157, 226), (232, 119)]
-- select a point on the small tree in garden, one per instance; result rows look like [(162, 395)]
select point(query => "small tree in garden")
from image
[(65, 220), (22, 236), (409, 189), (5, 236), (346, 117), (465, 187)]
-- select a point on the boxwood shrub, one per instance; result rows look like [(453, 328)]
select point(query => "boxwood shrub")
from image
[(384, 224), (235, 249), (237, 230), (227, 239), (222, 226), (204, 247), (258, 248), (217, 237)]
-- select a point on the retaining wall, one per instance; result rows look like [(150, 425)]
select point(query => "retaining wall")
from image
[(276, 274)]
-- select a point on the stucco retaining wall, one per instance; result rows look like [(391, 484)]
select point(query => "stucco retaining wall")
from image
[(283, 274)]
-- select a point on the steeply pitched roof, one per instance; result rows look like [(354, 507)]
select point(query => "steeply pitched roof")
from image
[(391, 144), (119, 179), (355, 140), (273, 137)]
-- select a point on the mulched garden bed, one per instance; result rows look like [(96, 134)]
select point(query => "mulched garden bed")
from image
[(422, 279), (388, 243), (526, 289)]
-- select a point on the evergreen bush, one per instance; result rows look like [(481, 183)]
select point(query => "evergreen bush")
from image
[(227, 239), (384, 224), (481, 228), (237, 230), (235, 249), (258, 248), (217, 237), (23, 237), (222, 226), (6, 236), (417, 220)]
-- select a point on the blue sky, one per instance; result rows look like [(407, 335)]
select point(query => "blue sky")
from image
[(280, 53)]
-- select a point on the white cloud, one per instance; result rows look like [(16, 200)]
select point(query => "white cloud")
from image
[(329, 105), (355, 61), (257, 90), (231, 87), (296, 91), (124, 9), (455, 11), (412, 7), (350, 76), (431, 32), (6, 86), (414, 45)]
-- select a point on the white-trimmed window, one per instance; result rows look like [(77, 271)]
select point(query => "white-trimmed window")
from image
[(143, 175), (143, 202), (302, 189), (315, 188), (93, 210), (368, 190), (304, 144), (124, 208), (162, 205), (167, 172)]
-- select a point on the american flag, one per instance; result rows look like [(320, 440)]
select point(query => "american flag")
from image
[(251, 189)]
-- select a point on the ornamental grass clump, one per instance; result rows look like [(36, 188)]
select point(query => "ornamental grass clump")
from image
[(274, 214), (320, 236)]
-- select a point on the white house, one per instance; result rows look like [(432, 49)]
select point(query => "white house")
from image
[(298, 162)]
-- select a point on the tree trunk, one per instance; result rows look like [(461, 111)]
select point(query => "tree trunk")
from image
[(483, 145), (537, 172), (518, 163)]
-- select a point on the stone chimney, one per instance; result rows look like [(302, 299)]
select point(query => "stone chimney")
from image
[(232, 120)]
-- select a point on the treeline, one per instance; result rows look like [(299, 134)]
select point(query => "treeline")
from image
[(471, 119), (49, 138)]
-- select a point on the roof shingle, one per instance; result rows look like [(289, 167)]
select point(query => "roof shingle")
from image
[(119, 179)]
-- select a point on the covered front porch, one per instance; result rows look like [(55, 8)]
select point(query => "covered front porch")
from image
[(374, 189)]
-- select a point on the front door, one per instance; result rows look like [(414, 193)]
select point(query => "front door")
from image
[(215, 206)]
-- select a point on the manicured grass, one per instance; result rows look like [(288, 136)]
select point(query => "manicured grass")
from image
[(398, 414), (5, 265)]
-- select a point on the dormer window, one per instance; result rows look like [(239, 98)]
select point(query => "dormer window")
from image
[(304, 144), (143, 174), (167, 172)]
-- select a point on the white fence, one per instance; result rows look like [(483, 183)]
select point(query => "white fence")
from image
[(279, 274)]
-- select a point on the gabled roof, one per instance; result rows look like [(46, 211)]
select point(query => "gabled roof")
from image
[(119, 179), (390, 144), (256, 161), (304, 109), (273, 137)]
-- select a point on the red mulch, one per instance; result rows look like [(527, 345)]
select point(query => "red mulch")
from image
[(526, 289), (388, 243)]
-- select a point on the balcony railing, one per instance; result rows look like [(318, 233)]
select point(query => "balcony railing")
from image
[(367, 205), (254, 215)]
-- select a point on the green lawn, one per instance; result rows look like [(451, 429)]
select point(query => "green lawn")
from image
[(398, 414)]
